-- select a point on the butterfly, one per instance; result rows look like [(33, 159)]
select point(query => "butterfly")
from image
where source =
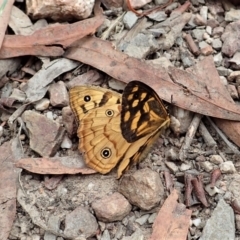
[(117, 129)]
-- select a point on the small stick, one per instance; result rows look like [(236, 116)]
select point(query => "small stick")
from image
[(189, 136), (221, 134), (168, 181), (208, 139), (105, 34), (199, 190), (215, 175), (191, 44)]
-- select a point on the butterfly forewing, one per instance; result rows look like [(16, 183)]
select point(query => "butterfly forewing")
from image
[(86, 98), (142, 112)]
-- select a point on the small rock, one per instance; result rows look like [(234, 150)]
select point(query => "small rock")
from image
[(129, 19), (158, 16), (58, 94), (207, 166), (143, 219), (212, 22), (218, 59), (172, 166), (227, 167), (199, 20), (221, 224), (45, 135), (185, 167), (139, 4), (232, 15), (196, 222), (49, 115), (209, 30), (66, 143), (233, 76), (211, 190), (218, 31), (106, 235), (231, 43), (142, 188), (233, 91), (204, 12), (81, 221), (42, 104), (171, 154), (222, 71), (115, 84), (217, 44), (140, 46), (68, 120), (198, 34), (152, 218), (216, 159), (235, 58), (18, 95), (116, 207), (137, 235), (206, 51)]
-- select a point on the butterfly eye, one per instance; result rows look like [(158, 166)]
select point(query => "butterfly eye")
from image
[(87, 98), (106, 153), (109, 113)]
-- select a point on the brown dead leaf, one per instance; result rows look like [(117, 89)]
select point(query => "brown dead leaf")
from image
[(172, 221), (218, 93), (57, 34), (54, 165), (5, 9), (10, 152), (100, 54)]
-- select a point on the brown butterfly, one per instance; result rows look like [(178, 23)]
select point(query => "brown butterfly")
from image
[(114, 128)]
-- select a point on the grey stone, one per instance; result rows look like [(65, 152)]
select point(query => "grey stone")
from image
[(218, 59), (221, 224), (143, 219), (217, 44), (227, 167), (232, 15), (129, 19), (198, 34), (80, 220)]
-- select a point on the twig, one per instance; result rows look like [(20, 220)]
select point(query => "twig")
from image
[(189, 136), (208, 139), (215, 175), (233, 147), (147, 11), (199, 190), (105, 34), (192, 45)]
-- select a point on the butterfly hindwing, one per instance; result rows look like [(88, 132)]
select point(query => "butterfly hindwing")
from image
[(142, 112)]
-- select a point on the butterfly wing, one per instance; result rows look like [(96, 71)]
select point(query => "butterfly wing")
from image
[(101, 140), (143, 112), (86, 98)]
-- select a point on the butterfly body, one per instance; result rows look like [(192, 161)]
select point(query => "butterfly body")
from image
[(115, 129)]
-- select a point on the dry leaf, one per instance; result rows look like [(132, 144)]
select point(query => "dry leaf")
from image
[(10, 152), (55, 165), (100, 54), (172, 221), (39, 43), (37, 86)]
